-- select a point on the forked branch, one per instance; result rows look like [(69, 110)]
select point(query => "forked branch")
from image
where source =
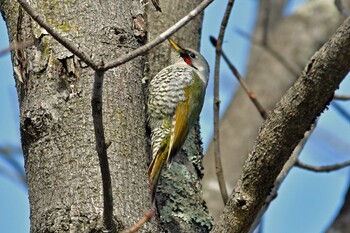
[(284, 128)]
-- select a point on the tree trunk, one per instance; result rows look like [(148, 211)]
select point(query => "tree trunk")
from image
[(54, 89), (58, 141)]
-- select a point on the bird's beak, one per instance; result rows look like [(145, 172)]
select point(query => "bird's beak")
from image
[(176, 46)]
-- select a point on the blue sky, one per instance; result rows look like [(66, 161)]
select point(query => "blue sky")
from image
[(306, 201), (14, 205)]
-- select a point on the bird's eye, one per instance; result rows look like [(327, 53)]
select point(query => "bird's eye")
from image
[(192, 55)]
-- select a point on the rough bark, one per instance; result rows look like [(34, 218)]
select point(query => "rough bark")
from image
[(284, 128), (304, 32), (179, 197), (58, 142), (56, 125)]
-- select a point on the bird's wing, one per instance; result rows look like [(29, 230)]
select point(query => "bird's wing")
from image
[(180, 126), (166, 90), (167, 150), (186, 114)]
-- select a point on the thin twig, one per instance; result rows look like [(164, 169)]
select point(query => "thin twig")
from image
[(65, 42), (156, 5), (122, 59), (341, 97), (271, 51), (280, 178), (327, 168), (240, 79), (260, 229), (341, 110), (218, 163), (341, 8), (17, 45), (148, 215), (13, 178), (7, 153), (101, 148), (159, 39)]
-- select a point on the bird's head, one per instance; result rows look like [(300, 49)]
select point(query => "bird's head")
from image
[(192, 58)]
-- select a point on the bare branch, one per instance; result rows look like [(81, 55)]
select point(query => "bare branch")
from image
[(8, 154), (9, 150), (263, 114), (283, 174), (240, 79), (65, 42), (16, 174), (17, 45), (341, 97), (101, 148), (327, 168), (122, 59), (283, 130), (216, 139), (156, 5), (148, 215), (159, 39), (6, 173), (341, 111)]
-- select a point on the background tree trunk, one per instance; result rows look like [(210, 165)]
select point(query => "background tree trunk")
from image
[(304, 32)]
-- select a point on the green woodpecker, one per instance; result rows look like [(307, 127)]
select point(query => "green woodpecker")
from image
[(176, 96)]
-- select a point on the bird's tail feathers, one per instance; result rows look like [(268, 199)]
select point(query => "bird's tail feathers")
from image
[(155, 169)]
